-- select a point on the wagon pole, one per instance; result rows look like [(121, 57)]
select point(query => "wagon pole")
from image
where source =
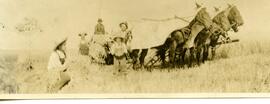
[(157, 20), (166, 19), (181, 18)]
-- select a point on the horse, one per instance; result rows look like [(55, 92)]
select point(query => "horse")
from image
[(235, 18), (202, 41), (228, 19), (135, 55), (183, 39), (138, 57), (221, 24)]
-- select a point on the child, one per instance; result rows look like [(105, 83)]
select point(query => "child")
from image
[(119, 51), (84, 47)]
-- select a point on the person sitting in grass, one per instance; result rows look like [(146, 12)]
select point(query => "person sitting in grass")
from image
[(119, 51), (57, 68)]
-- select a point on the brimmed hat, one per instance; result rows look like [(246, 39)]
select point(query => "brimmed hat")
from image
[(124, 23), (118, 37), (60, 42)]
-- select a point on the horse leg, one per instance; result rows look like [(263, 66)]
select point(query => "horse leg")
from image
[(192, 56), (142, 57), (172, 53), (198, 53), (187, 57), (134, 56), (213, 50), (205, 53), (163, 57), (163, 50), (183, 57)]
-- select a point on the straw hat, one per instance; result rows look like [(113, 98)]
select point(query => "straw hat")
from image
[(124, 23), (59, 42), (118, 37)]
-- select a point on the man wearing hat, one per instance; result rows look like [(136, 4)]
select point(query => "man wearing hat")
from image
[(126, 34), (119, 51), (99, 29), (57, 67)]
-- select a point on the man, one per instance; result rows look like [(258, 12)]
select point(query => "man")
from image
[(99, 29), (126, 34)]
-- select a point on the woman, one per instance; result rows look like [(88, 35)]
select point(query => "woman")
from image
[(57, 68)]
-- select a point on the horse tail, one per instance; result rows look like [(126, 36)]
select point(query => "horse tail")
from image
[(164, 46)]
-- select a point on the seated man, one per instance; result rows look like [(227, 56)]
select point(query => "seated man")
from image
[(99, 29)]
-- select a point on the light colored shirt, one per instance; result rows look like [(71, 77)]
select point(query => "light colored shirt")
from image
[(54, 61), (124, 34), (118, 49)]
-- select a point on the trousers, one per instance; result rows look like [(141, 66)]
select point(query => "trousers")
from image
[(120, 64)]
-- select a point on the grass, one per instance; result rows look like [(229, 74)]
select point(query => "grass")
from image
[(239, 67)]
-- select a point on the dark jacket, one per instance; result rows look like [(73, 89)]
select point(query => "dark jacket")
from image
[(99, 29)]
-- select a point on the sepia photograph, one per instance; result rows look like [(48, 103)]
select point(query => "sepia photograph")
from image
[(134, 48)]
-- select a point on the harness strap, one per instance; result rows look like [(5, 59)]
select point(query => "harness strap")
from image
[(185, 33)]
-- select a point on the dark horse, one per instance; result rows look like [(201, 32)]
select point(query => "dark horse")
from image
[(181, 42), (202, 41), (226, 20), (188, 42), (138, 57)]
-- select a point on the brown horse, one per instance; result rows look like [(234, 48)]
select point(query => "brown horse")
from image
[(235, 20), (202, 42), (220, 25), (226, 20), (183, 39)]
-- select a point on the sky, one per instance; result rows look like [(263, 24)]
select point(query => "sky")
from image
[(59, 18)]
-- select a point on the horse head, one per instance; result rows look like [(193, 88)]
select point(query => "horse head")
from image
[(204, 18), (221, 24), (217, 31), (235, 18), (222, 20)]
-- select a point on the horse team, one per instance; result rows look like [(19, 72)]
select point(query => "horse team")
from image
[(192, 44)]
